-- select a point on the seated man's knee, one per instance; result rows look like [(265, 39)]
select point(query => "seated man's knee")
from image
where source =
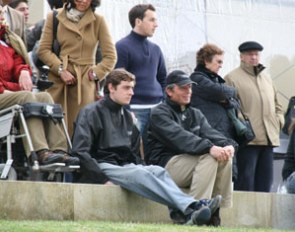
[(44, 97), (27, 97)]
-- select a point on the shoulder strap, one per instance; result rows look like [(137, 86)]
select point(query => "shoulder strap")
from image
[(55, 24)]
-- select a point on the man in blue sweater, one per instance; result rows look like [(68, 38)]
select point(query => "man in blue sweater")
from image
[(145, 60)]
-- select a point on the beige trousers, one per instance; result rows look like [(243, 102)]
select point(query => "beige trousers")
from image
[(44, 133), (204, 176)]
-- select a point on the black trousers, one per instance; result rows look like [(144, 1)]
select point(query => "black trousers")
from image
[(255, 165)]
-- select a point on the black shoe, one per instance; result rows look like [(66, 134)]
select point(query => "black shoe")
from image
[(46, 157), (67, 159), (200, 216), (213, 203), (215, 219), (71, 160), (177, 216)]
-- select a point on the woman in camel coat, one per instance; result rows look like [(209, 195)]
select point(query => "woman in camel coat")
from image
[(74, 71)]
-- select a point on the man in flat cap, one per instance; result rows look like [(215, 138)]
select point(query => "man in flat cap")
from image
[(259, 102), (180, 139)]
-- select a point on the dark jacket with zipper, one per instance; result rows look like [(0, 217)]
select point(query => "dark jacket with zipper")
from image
[(174, 131), (104, 132)]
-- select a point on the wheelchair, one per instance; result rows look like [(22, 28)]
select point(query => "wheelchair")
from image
[(14, 165)]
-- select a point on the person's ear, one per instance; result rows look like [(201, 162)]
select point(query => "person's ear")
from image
[(111, 87), (137, 21), (169, 91)]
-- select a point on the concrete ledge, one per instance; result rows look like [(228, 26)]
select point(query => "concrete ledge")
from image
[(60, 201)]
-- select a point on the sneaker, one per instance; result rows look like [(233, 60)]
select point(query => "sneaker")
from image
[(213, 203), (200, 216)]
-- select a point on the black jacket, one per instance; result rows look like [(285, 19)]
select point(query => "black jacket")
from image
[(213, 98), (104, 132), (173, 132)]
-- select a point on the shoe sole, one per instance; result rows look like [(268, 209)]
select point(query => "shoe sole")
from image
[(215, 203), (200, 217)]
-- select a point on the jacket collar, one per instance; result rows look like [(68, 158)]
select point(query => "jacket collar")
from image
[(211, 75), (175, 106), (113, 106), (252, 70)]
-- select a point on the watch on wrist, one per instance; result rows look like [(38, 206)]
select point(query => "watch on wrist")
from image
[(60, 69)]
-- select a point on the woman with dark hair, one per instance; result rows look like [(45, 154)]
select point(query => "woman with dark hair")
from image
[(213, 97), (55, 4), (75, 71)]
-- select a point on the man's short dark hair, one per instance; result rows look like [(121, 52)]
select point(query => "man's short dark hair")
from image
[(13, 4), (115, 77), (71, 4), (138, 11)]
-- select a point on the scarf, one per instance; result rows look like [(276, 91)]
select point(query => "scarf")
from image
[(74, 15)]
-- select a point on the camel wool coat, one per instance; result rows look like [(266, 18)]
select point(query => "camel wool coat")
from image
[(78, 44)]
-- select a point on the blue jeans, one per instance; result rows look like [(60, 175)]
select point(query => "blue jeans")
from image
[(255, 168), (151, 182), (143, 117)]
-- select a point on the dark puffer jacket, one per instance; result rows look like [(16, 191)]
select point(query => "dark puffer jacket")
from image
[(213, 98)]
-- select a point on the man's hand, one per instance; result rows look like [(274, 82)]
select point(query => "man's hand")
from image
[(7, 91), (230, 151), (109, 183), (25, 80), (222, 153)]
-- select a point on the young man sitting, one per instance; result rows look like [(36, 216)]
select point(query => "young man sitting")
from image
[(104, 139)]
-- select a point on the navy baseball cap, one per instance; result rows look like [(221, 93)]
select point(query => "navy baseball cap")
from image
[(179, 78)]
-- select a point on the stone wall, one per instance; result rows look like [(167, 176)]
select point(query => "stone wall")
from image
[(62, 201)]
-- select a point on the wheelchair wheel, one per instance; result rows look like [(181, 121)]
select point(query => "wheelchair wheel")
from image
[(11, 174)]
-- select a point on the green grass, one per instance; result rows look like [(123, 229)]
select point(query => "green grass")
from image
[(89, 226)]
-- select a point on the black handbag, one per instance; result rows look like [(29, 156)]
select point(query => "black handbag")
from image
[(248, 134), (289, 117)]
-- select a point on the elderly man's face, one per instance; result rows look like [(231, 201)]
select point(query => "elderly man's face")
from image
[(251, 57), (180, 94)]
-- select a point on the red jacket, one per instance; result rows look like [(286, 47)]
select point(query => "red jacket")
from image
[(11, 64)]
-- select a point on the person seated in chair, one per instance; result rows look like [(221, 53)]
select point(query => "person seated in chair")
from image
[(49, 140)]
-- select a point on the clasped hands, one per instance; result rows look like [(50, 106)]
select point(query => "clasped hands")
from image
[(222, 153)]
